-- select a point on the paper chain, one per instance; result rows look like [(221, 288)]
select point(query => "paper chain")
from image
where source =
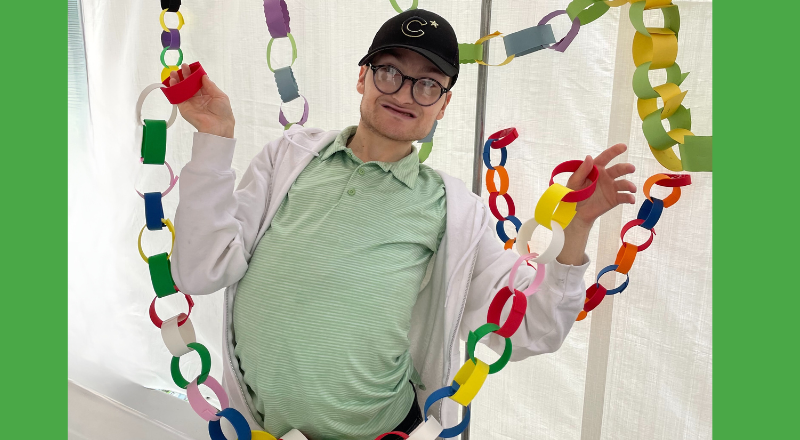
[(653, 49), (178, 332), (648, 216)]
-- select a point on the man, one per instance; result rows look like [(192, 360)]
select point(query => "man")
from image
[(352, 270)]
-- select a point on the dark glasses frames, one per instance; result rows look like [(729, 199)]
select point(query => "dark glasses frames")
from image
[(389, 79)]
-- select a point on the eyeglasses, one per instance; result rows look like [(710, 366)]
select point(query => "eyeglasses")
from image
[(389, 79)]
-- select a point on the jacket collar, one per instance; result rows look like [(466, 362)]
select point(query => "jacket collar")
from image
[(404, 170)]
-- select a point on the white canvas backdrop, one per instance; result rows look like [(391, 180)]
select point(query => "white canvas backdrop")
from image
[(653, 358)]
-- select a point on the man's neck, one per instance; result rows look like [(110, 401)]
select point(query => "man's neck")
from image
[(370, 146)]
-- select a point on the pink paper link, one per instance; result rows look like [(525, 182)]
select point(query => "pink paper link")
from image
[(173, 179), (563, 43), (198, 402), (537, 281)]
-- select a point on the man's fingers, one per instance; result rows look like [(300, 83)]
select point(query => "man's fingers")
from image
[(624, 185), (577, 179), (173, 78), (620, 169), (623, 198), (610, 153), (186, 70)]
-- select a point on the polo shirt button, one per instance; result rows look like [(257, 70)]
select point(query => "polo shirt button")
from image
[(351, 191), (361, 171)]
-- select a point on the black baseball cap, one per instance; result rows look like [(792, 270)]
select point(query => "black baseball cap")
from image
[(424, 32)]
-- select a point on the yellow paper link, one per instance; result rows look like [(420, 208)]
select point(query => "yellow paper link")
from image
[(668, 159), (261, 435), (171, 229), (551, 208), (470, 378), (669, 93), (164, 25), (165, 72), (659, 49), (614, 3), (487, 38)]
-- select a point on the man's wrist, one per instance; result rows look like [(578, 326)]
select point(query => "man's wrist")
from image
[(221, 131)]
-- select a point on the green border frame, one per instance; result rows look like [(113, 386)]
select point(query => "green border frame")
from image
[(756, 360), (755, 313)]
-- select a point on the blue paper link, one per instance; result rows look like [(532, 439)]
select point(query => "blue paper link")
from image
[(650, 212), (529, 40), (287, 85), (153, 211), (439, 394), (621, 287), (237, 420), (501, 232), (487, 151)]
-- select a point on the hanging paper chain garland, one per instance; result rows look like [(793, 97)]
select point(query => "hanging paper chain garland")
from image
[(277, 15), (648, 216), (653, 49), (178, 331)]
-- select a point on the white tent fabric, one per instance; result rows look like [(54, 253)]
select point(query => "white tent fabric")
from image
[(638, 368)]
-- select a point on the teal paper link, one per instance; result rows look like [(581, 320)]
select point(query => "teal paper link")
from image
[(287, 85), (529, 40)]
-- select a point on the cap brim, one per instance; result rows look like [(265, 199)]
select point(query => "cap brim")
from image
[(438, 61)]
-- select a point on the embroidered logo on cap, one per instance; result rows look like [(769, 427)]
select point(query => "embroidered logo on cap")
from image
[(407, 31)]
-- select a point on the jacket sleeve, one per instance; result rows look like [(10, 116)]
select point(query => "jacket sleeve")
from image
[(551, 310), (215, 226)]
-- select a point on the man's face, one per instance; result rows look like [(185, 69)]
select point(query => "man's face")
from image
[(376, 109)]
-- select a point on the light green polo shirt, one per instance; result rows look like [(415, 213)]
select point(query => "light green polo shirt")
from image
[(321, 317)]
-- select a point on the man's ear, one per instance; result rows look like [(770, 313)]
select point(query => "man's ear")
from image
[(362, 76), (447, 97)]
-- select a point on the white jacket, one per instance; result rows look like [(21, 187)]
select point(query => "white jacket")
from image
[(217, 230)]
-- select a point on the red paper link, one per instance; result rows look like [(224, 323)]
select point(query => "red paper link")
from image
[(594, 296), (633, 223), (675, 180), (518, 308), (504, 137), (186, 88), (158, 322), (571, 166), (493, 205)]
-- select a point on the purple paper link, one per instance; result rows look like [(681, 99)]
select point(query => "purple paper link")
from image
[(563, 43), (282, 119), (277, 14), (171, 39)]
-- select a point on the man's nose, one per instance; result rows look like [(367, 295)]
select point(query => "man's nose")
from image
[(405, 93)]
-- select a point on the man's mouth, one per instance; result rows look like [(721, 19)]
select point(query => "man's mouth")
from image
[(399, 112)]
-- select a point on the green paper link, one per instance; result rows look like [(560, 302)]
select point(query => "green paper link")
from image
[(161, 275), (425, 151), (641, 81), (474, 337), (154, 141), (468, 53), (696, 153), (205, 366), (587, 10), (180, 57), (672, 18), (397, 7), (269, 51), (655, 133)]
